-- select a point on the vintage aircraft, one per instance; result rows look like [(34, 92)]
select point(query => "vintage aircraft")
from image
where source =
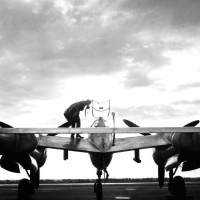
[(21, 146)]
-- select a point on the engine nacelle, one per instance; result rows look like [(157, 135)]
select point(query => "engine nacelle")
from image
[(186, 141), (17, 143)]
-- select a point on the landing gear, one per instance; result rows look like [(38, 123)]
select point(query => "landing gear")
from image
[(98, 189), (176, 186), (26, 188), (98, 185), (161, 175)]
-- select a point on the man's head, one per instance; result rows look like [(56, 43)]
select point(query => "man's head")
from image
[(88, 102)]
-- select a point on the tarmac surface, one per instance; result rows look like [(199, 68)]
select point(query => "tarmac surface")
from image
[(134, 191)]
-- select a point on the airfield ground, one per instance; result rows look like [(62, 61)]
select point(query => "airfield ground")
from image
[(134, 191)]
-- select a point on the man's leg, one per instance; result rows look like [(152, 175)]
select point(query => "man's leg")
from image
[(73, 126), (69, 123), (66, 125), (78, 125)]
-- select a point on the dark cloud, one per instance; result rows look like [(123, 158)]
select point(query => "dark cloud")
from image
[(46, 35), (38, 32), (178, 14)]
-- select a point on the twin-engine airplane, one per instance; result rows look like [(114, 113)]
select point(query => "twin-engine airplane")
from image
[(173, 146)]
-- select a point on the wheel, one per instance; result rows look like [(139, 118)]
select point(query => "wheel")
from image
[(99, 192), (177, 187), (24, 189)]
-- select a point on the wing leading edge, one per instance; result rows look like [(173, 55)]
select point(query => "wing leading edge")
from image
[(104, 130)]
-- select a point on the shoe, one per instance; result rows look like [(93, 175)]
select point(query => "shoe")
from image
[(72, 135), (78, 136)]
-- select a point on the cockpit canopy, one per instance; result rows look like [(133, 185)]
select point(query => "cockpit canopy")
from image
[(100, 123)]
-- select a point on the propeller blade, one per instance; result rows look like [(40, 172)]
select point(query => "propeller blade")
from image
[(4, 125), (194, 123), (131, 124), (65, 125)]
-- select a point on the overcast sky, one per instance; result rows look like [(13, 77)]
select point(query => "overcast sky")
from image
[(143, 55)]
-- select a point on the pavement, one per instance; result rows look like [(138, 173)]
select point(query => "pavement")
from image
[(133, 191)]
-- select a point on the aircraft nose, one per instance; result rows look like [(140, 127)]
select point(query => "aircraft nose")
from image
[(102, 141), (103, 145)]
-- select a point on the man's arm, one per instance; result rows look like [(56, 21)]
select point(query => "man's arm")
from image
[(73, 109), (81, 105)]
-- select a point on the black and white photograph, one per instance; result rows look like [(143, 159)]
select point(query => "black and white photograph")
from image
[(99, 99)]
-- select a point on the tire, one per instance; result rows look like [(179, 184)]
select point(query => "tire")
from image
[(24, 189), (99, 192), (177, 187)]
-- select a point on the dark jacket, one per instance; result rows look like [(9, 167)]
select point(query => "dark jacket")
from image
[(74, 109)]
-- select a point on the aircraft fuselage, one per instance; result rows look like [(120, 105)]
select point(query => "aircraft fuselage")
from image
[(102, 142)]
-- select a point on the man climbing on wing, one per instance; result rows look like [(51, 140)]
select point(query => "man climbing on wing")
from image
[(72, 115)]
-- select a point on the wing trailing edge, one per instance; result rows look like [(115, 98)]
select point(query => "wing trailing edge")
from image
[(140, 142), (65, 143)]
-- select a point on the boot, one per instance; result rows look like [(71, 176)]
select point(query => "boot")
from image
[(72, 135), (78, 136)]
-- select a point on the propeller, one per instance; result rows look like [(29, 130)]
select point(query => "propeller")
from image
[(131, 124), (194, 123), (4, 125), (65, 125)]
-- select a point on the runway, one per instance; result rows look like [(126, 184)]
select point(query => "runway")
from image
[(136, 191)]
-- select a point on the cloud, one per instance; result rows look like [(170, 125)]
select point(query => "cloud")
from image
[(189, 86), (83, 36), (146, 112), (187, 102), (54, 52), (160, 112), (137, 78), (178, 14), (46, 42)]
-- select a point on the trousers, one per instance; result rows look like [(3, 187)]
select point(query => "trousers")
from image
[(73, 121)]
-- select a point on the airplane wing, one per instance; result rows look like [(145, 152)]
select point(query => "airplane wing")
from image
[(83, 145), (102, 130), (80, 145), (121, 144), (140, 142)]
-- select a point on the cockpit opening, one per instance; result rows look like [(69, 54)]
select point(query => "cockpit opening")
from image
[(100, 123)]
